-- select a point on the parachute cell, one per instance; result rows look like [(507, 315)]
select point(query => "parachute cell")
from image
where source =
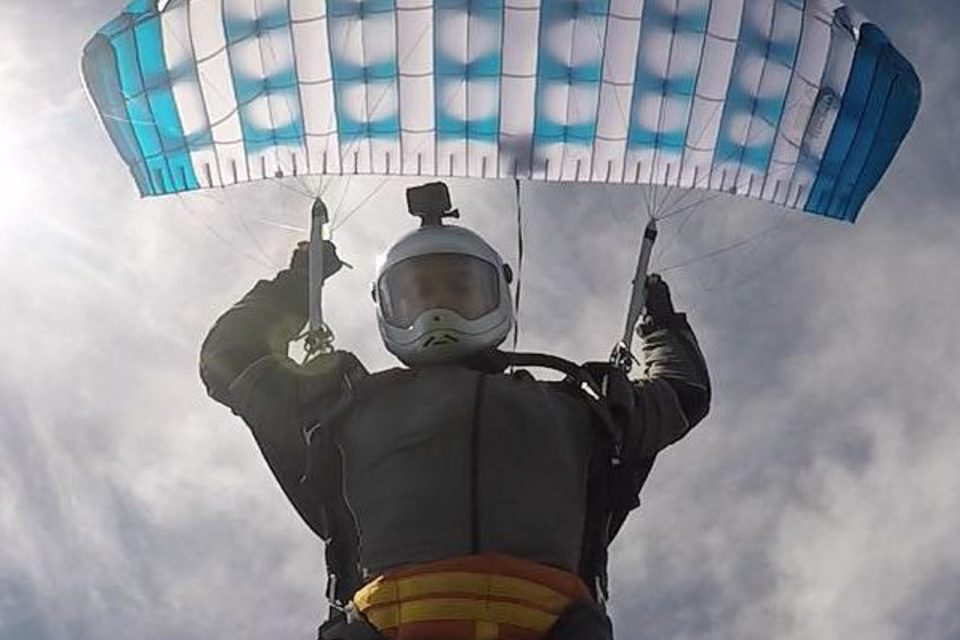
[(801, 104)]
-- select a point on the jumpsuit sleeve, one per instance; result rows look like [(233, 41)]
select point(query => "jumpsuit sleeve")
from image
[(244, 365), (673, 393)]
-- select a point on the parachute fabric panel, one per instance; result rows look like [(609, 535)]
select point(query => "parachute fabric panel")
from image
[(131, 84), (801, 103), (880, 104)]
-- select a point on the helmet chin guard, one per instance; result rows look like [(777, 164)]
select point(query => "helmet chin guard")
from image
[(443, 295), (441, 336)]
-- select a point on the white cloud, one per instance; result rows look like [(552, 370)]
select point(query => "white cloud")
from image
[(816, 501)]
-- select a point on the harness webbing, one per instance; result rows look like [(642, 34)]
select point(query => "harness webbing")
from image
[(612, 488)]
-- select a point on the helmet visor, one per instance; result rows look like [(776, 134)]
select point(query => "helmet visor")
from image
[(461, 283)]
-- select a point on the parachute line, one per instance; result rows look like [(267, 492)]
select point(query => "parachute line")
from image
[(373, 192), (193, 215), (246, 228), (516, 293), (722, 250)]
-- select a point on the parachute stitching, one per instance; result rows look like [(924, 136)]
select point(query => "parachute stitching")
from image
[(225, 141), (256, 34), (790, 85), (153, 116), (726, 39), (663, 96), (214, 123), (629, 121), (536, 103), (602, 42), (324, 17), (503, 28), (466, 98), (411, 74), (707, 98), (383, 95), (402, 60), (718, 104), (216, 52), (267, 92), (823, 19), (527, 76), (612, 14), (755, 105), (807, 129), (203, 98), (436, 92), (366, 100), (714, 163), (226, 35), (301, 113), (368, 10), (807, 80), (309, 20), (570, 97), (860, 123), (336, 95), (703, 51), (507, 5), (699, 185), (396, 43)]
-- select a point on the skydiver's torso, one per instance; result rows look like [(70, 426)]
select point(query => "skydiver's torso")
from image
[(446, 461)]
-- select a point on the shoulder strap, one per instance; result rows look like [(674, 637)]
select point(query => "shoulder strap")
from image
[(612, 490), (324, 474)]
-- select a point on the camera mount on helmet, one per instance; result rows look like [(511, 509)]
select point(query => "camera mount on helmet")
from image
[(431, 203)]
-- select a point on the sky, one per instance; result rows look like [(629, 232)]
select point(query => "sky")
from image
[(819, 499)]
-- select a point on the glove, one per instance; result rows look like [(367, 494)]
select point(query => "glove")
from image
[(300, 260), (659, 306)]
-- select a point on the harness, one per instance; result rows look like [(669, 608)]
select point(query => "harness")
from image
[(612, 489)]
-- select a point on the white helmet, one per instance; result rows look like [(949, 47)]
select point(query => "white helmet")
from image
[(442, 295)]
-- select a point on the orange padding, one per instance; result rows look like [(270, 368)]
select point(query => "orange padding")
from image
[(482, 597)]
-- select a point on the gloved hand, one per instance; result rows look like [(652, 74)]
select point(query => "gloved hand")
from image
[(659, 306), (300, 260)]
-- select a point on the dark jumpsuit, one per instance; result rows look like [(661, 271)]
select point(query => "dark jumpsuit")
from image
[(442, 461)]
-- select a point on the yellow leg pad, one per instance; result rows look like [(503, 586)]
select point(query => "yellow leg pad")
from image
[(487, 631), (390, 591), (434, 610)]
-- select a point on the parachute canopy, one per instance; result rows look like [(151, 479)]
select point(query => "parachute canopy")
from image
[(799, 103)]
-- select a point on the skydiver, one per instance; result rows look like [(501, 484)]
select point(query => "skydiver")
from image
[(460, 498)]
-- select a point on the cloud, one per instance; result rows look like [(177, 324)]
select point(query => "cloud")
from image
[(816, 501)]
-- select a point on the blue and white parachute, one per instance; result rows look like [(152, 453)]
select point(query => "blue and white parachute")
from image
[(800, 103)]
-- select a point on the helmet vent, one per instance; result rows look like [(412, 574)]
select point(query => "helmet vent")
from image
[(440, 340)]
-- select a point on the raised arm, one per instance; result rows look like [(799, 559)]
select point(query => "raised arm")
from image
[(673, 393), (253, 336), (244, 362), (244, 365)]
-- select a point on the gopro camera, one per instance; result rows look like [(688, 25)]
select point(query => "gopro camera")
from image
[(431, 203)]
